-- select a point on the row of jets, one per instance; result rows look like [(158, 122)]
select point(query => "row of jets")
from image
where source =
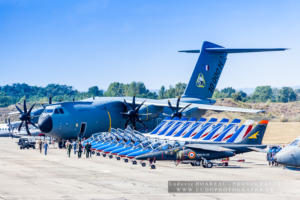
[(197, 142)]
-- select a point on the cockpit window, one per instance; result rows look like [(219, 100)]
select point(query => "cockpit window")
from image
[(56, 111), (49, 110), (295, 143), (61, 110)]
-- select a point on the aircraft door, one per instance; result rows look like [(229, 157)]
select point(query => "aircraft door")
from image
[(82, 130)]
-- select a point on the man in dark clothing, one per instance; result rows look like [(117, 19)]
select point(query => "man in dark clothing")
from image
[(40, 143), (88, 149), (79, 150), (69, 149)]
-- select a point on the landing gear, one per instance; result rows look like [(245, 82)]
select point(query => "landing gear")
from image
[(143, 164), (153, 167), (118, 158), (104, 155), (208, 165), (126, 160), (98, 154), (93, 152), (110, 156), (134, 162), (196, 163)]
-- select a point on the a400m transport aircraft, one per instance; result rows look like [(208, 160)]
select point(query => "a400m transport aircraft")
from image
[(83, 118)]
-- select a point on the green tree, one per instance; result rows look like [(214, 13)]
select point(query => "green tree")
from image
[(115, 89), (94, 91), (179, 89), (239, 96), (227, 92), (161, 92), (287, 94), (262, 94)]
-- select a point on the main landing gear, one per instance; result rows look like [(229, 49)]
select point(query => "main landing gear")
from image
[(204, 163)]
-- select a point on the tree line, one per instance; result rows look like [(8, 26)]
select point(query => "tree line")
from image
[(11, 94)]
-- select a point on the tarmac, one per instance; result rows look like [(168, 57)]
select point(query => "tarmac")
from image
[(27, 174)]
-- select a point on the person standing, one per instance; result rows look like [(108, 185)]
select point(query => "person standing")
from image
[(75, 146), (46, 147), (79, 150), (40, 143), (69, 147), (87, 149)]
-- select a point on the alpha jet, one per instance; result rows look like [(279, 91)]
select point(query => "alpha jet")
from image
[(290, 155), (201, 153), (83, 118)]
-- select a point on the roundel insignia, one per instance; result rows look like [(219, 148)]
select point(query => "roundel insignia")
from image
[(191, 155)]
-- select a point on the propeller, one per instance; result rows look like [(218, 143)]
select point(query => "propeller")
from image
[(25, 117), (177, 111), (132, 113)]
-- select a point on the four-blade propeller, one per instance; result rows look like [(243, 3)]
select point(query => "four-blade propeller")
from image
[(132, 113), (25, 117)]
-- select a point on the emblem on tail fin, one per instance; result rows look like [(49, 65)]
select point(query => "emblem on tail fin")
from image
[(254, 136), (200, 82)]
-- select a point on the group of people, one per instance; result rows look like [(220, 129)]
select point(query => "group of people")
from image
[(43, 144), (75, 145), (78, 148), (271, 155)]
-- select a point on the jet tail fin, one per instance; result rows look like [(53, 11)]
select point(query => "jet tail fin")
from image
[(209, 67), (257, 133)]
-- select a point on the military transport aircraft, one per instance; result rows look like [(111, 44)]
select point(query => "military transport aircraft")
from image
[(83, 118)]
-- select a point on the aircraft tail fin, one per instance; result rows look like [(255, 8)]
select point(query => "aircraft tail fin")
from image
[(257, 133), (209, 67)]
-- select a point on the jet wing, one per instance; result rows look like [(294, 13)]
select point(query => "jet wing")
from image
[(208, 147), (164, 103), (257, 149)]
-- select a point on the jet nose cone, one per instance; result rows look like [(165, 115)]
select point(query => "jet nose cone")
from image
[(45, 123)]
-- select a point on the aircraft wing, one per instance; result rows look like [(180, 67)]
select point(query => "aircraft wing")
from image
[(164, 103), (208, 147), (257, 149)]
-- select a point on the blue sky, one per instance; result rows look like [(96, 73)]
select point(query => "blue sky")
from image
[(95, 42)]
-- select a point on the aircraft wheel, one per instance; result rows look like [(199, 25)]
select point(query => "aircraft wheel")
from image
[(98, 154), (104, 155), (33, 147), (197, 163), (143, 164), (153, 167), (126, 160), (193, 164), (93, 152), (118, 158), (134, 162), (27, 147), (110, 156), (209, 165)]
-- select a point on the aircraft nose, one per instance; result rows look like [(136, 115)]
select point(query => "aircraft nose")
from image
[(45, 123), (284, 158)]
